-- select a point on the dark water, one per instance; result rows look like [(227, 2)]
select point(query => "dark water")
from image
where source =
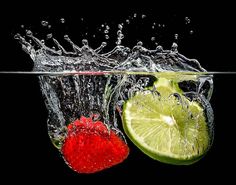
[(24, 117)]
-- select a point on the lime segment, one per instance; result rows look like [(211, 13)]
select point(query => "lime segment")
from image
[(166, 128)]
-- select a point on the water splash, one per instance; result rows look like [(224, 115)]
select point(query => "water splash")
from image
[(84, 82)]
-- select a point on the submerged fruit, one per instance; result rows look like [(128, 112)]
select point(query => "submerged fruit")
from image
[(167, 126), (90, 147)]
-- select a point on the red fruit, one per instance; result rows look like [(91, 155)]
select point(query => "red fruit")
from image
[(89, 147)]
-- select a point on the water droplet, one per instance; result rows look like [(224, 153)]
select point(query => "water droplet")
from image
[(107, 27), (94, 36), (159, 48), (66, 37), (163, 25), (29, 33), (121, 36), (103, 44), (85, 42), (102, 25), (174, 47), (153, 27), (49, 26), (153, 39), (135, 15), (140, 43), (187, 20), (159, 25), (49, 36), (118, 42), (106, 31), (106, 36), (17, 36), (82, 19), (44, 23), (127, 21), (22, 26), (176, 36), (191, 32), (120, 26), (143, 16), (119, 32), (62, 20), (154, 24)]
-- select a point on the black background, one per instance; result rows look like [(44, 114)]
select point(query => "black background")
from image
[(26, 150)]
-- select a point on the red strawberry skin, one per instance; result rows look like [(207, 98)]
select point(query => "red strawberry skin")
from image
[(89, 147)]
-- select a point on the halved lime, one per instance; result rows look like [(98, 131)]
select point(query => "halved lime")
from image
[(167, 128)]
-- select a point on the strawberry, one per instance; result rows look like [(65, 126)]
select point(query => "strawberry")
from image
[(90, 147)]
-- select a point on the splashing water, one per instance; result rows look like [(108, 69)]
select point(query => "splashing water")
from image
[(95, 84)]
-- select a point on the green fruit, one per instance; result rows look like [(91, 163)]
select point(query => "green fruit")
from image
[(168, 128)]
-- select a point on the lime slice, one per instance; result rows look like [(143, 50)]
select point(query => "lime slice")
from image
[(169, 129)]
